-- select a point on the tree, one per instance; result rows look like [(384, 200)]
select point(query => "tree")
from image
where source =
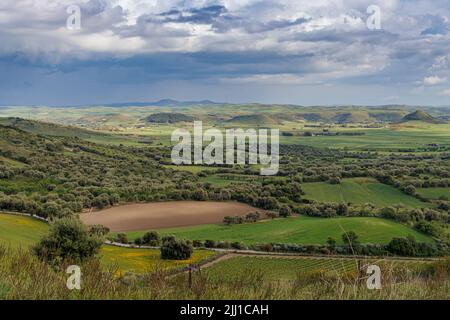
[(210, 244), (228, 220), (410, 189), (334, 180), (350, 238), (252, 216), (331, 242), (122, 238), (285, 211), (403, 246), (67, 240), (174, 249), (99, 230), (271, 214), (151, 238)]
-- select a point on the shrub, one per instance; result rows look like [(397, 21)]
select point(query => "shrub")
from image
[(67, 240), (223, 245), (238, 246), (331, 243), (122, 238), (151, 238), (228, 220), (198, 243), (210, 244), (430, 228), (174, 249), (285, 211), (403, 246), (252, 216), (350, 238), (99, 230)]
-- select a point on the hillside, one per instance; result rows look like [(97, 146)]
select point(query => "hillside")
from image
[(352, 117), (420, 116), (254, 119), (56, 130), (169, 118)]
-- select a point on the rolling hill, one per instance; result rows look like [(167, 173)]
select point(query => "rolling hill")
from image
[(56, 130), (254, 119), (419, 115), (169, 118)]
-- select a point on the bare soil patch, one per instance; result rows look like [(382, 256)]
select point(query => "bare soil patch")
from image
[(156, 215)]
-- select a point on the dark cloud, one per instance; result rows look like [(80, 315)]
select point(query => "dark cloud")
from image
[(127, 45)]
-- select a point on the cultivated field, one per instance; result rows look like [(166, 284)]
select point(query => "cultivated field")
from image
[(290, 268), (302, 230), (164, 214), (360, 191)]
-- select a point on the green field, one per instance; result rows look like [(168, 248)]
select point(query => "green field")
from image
[(19, 230), (360, 191), (434, 193), (285, 268), (302, 230), (398, 137)]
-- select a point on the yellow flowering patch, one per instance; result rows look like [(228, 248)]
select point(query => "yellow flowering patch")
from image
[(144, 260)]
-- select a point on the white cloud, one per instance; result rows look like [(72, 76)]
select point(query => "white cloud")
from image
[(445, 92), (434, 80)]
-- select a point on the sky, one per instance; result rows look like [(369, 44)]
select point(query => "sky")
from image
[(321, 52)]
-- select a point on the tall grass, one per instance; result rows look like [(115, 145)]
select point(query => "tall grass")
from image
[(23, 276)]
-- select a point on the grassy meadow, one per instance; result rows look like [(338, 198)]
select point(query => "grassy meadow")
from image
[(20, 231), (434, 193), (302, 230), (360, 191)]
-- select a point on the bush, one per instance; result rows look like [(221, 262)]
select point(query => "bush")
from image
[(174, 249), (350, 238), (99, 230), (403, 246), (151, 238), (252, 216), (122, 238), (210, 244), (238, 246), (430, 228), (67, 240), (198, 243), (285, 211)]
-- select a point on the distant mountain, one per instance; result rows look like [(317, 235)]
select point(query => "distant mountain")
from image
[(419, 115), (169, 118), (163, 103)]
